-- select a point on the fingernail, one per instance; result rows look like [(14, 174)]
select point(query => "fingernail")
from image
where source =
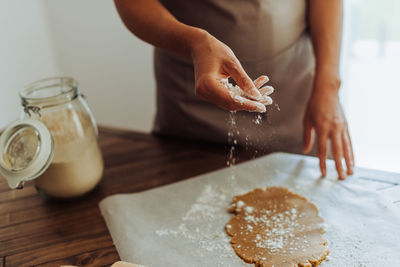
[(267, 90), (261, 108)]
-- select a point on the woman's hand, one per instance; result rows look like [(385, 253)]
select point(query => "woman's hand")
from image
[(325, 118), (213, 61)]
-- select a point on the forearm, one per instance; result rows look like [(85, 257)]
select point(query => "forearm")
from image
[(150, 21), (325, 22)]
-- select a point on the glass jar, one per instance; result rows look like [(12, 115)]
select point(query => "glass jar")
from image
[(57, 122)]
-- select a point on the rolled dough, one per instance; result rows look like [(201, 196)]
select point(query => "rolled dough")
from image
[(276, 227)]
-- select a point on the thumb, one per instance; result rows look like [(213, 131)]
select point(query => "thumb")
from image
[(241, 78), (308, 137)]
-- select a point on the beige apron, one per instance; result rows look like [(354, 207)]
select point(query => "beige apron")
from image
[(268, 37)]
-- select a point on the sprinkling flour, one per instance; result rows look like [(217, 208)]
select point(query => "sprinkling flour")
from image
[(239, 95), (258, 119), (232, 139)]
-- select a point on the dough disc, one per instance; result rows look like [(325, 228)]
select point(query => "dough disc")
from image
[(276, 227)]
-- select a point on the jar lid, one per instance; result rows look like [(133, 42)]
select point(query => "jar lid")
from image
[(26, 151)]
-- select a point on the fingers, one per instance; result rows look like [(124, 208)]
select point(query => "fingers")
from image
[(322, 140), (212, 90), (308, 137), (248, 105), (266, 90), (337, 153), (266, 101), (341, 148), (348, 152), (241, 78), (351, 147), (260, 81)]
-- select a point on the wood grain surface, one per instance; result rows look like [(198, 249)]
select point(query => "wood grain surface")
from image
[(39, 232)]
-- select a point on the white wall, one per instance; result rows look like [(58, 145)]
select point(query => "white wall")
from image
[(82, 39), (26, 52), (113, 67)]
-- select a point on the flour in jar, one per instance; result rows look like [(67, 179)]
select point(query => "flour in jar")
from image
[(77, 166)]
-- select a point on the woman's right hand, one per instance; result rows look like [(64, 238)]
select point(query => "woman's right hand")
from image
[(213, 61)]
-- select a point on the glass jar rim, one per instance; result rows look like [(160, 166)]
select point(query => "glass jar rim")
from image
[(49, 90)]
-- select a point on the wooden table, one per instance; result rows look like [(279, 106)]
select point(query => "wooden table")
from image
[(36, 232)]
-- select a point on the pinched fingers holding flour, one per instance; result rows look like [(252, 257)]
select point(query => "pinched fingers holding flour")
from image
[(213, 90), (214, 62), (241, 100)]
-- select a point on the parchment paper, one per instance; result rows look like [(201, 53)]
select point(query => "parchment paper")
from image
[(183, 224)]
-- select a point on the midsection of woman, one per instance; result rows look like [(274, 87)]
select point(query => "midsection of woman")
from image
[(268, 37), (253, 29)]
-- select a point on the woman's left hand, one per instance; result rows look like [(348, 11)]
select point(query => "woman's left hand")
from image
[(325, 121)]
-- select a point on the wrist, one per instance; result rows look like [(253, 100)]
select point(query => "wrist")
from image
[(327, 81), (183, 38), (193, 37)]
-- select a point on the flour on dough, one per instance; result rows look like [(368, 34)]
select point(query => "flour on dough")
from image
[(275, 227)]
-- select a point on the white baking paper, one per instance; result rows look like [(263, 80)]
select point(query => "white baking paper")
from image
[(183, 224)]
